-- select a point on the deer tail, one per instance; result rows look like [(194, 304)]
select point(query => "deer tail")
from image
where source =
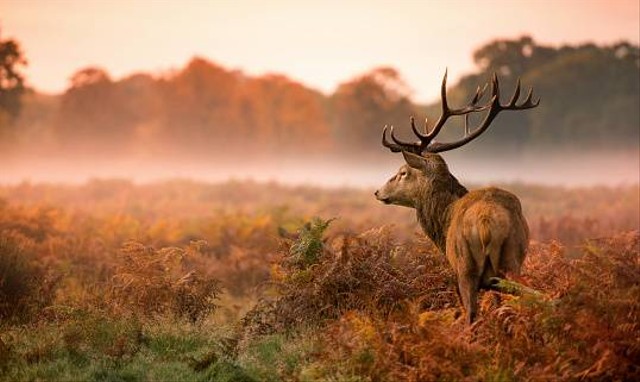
[(490, 244)]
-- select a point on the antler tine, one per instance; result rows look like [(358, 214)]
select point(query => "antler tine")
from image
[(476, 96), (466, 124), (474, 101), (528, 102), (398, 145), (470, 108), (479, 94), (396, 140), (443, 93), (495, 87), (516, 94), (415, 129), (386, 143), (446, 112), (416, 147)]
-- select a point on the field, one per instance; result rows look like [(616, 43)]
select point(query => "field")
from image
[(244, 281)]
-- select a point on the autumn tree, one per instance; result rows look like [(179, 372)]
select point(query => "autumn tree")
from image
[(83, 114), (590, 94), (214, 111), (201, 107), (136, 102), (11, 80), (594, 93), (284, 116), (363, 105), (95, 116)]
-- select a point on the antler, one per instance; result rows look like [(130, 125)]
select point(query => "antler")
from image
[(426, 141)]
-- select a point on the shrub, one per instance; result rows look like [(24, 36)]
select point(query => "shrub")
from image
[(316, 281), (307, 249), (412, 346), (25, 285), (149, 282)]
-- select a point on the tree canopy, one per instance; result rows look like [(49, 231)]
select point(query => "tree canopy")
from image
[(11, 80), (590, 96)]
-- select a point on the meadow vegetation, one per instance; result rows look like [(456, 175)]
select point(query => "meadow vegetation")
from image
[(244, 281)]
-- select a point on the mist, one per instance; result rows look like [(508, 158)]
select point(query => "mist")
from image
[(570, 170)]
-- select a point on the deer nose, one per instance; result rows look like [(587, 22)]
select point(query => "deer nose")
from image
[(376, 193)]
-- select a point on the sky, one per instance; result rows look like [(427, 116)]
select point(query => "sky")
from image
[(319, 43)]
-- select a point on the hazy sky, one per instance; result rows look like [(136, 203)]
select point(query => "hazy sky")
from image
[(320, 43)]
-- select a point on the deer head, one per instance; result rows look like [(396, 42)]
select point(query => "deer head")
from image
[(411, 180)]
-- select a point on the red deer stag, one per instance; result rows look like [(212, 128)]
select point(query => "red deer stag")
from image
[(482, 232)]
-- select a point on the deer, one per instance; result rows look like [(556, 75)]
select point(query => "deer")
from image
[(483, 233)]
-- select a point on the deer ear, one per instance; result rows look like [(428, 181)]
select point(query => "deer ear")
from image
[(415, 161)]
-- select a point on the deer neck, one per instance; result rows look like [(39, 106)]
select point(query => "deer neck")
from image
[(434, 207)]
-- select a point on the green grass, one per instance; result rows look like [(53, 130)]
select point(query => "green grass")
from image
[(95, 348), (280, 357)]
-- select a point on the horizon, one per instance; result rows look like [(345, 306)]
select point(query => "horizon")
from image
[(576, 171), (362, 36)]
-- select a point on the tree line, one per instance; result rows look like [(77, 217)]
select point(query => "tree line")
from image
[(590, 96)]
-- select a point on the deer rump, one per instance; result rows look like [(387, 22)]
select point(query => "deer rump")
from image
[(487, 237)]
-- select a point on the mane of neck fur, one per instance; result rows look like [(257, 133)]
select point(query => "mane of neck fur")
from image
[(434, 207)]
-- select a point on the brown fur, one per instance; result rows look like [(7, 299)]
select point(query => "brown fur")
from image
[(483, 232)]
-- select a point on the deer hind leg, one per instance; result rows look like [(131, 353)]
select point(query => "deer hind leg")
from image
[(493, 265), (513, 255), (468, 282), (469, 296)]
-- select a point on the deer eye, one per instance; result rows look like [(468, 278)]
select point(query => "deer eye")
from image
[(402, 174)]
